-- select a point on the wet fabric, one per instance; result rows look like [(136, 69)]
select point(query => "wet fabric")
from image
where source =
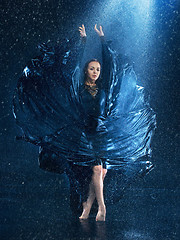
[(56, 112)]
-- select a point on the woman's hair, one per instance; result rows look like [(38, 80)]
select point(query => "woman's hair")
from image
[(86, 67)]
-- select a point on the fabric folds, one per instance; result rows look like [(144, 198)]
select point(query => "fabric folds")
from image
[(53, 111)]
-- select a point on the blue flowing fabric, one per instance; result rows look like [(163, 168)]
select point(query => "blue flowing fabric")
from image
[(75, 130)]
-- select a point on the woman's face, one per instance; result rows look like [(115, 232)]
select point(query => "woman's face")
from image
[(93, 71)]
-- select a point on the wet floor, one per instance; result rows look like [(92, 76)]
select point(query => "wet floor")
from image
[(142, 214), (35, 205)]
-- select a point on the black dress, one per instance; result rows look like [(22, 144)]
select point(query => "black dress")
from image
[(75, 130)]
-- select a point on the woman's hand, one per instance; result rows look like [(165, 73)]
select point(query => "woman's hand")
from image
[(100, 31), (82, 31)]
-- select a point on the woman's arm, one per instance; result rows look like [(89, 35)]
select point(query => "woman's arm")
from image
[(109, 81), (71, 58), (108, 61), (83, 41), (76, 78)]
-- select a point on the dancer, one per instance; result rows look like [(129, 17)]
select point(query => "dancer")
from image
[(97, 120), (92, 73)]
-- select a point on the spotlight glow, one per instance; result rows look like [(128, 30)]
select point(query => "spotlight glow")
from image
[(130, 23)]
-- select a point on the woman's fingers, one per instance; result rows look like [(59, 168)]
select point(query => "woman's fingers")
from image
[(100, 31), (82, 31), (83, 27), (95, 27)]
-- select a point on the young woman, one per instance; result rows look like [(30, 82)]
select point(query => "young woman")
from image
[(85, 124), (92, 74)]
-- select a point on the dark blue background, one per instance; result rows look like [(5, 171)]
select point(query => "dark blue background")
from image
[(35, 203)]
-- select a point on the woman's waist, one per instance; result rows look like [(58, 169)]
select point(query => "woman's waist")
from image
[(93, 123)]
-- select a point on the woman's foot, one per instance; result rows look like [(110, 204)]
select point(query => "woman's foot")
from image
[(86, 211), (101, 215)]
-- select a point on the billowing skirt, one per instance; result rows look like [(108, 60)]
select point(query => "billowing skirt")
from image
[(49, 111)]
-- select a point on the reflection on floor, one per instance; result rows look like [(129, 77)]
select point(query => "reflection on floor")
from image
[(33, 209)]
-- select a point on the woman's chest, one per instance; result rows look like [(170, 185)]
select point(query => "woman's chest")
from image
[(93, 105)]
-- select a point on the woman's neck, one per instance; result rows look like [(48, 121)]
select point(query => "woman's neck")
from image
[(87, 82)]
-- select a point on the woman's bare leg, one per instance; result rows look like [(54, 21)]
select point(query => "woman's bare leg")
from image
[(98, 176), (88, 204), (97, 179)]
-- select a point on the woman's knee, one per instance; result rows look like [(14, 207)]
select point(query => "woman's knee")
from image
[(98, 170), (104, 172)]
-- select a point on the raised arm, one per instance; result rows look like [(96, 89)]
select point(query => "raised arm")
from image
[(109, 68), (108, 60), (82, 41), (76, 78), (71, 55)]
